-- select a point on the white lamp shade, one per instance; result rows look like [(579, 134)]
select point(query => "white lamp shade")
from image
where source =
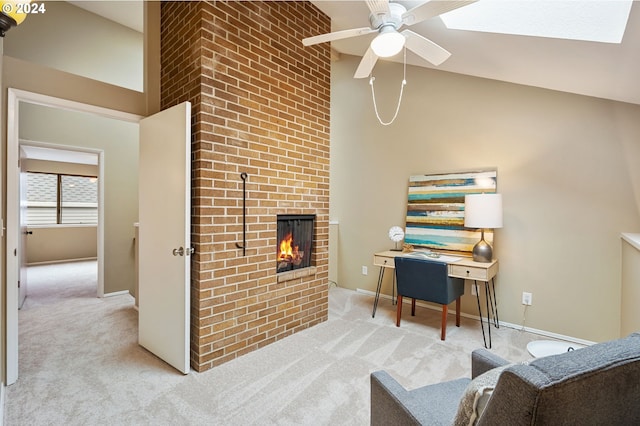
[(388, 43), (483, 211)]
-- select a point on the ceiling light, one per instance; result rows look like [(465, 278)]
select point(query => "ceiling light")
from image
[(388, 43)]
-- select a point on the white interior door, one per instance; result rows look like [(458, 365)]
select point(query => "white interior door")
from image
[(164, 235), (24, 232)]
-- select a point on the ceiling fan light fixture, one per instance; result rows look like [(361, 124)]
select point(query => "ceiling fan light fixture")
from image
[(388, 43)]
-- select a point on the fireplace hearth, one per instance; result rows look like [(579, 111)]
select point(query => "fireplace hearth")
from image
[(295, 242)]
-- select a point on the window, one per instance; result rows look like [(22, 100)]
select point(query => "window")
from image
[(61, 199), (598, 21)]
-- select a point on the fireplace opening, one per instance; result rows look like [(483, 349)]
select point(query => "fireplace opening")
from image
[(295, 241)]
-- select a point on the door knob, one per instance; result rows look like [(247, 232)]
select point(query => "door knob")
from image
[(28, 232), (182, 252)]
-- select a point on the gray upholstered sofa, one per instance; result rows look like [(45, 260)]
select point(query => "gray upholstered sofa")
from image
[(596, 385)]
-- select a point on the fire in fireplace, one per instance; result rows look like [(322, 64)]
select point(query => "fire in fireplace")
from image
[(295, 242)]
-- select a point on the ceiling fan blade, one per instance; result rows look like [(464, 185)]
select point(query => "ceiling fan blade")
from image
[(378, 7), (366, 64), (337, 35), (432, 8), (425, 48)]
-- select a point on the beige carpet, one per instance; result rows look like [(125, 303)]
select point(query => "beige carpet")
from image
[(80, 363)]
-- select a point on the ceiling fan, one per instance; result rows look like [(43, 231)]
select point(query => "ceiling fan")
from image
[(386, 19)]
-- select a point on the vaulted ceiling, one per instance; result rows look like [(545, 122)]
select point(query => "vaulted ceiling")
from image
[(605, 70)]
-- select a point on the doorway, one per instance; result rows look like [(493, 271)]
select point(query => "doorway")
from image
[(65, 116), (59, 209)]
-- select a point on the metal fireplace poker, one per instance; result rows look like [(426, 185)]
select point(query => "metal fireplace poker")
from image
[(244, 176)]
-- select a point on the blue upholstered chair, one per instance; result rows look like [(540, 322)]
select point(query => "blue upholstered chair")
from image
[(427, 280)]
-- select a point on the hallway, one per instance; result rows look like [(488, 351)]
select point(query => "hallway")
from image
[(75, 346)]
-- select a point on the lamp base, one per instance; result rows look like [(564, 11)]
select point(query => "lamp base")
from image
[(482, 251)]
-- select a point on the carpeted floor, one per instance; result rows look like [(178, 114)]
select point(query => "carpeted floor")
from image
[(80, 363)]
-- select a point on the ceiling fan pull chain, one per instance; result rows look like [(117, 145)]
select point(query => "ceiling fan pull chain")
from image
[(373, 94)]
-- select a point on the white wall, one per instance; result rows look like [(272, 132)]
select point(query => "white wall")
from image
[(74, 40), (566, 168)]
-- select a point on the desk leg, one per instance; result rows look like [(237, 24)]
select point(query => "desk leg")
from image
[(487, 293), (393, 289), (494, 304), (475, 283), (375, 301)]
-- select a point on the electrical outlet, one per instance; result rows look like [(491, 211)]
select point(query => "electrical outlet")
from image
[(474, 290), (365, 270), (526, 298)]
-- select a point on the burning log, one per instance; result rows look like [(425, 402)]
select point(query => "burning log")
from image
[(289, 253)]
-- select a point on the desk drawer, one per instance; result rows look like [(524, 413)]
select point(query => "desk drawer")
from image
[(468, 272), (384, 261)]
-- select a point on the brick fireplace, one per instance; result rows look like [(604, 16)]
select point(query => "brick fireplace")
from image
[(260, 104)]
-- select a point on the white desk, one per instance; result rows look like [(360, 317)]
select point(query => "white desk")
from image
[(458, 267)]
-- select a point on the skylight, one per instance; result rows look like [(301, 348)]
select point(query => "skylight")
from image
[(601, 21)]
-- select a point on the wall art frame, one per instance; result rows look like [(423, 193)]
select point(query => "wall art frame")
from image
[(435, 209)]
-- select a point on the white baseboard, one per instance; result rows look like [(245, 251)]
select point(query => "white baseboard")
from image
[(53, 262), (117, 293), (502, 323), (548, 334)]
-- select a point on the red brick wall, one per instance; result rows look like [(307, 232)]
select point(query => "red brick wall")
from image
[(260, 103)]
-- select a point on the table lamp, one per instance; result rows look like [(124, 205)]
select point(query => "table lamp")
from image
[(483, 211)]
